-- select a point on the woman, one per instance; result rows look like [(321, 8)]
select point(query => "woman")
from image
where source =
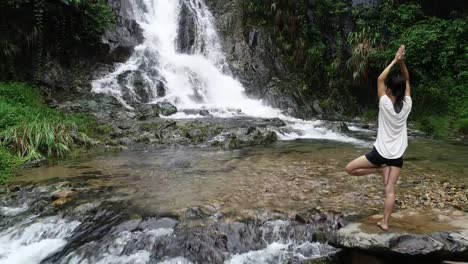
[(394, 107)]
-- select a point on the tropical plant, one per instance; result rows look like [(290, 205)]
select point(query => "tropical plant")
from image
[(363, 43)]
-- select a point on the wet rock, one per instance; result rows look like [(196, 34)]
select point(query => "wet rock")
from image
[(231, 143), (166, 108), (339, 127), (300, 219), (276, 122), (129, 225), (443, 233), (35, 163), (204, 112), (124, 125), (369, 126), (187, 30), (63, 194), (61, 201), (155, 223), (317, 108), (209, 209), (194, 213), (196, 135), (82, 209), (125, 141), (147, 111)]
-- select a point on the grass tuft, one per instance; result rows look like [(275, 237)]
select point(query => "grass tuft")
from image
[(30, 130)]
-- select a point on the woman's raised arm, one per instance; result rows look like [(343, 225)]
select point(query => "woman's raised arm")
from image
[(405, 73), (381, 88)]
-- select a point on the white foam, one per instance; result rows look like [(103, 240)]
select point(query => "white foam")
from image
[(140, 257), (279, 252), (119, 250), (274, 253), (13, 211), (177, 260), (359, 129), (34, 243)]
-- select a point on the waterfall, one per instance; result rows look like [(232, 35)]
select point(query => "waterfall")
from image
[(181, 61)]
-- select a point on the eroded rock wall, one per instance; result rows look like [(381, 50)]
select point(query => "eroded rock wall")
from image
[(67, 77), (256, 60)]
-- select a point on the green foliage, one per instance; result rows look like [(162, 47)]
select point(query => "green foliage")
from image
[(461, 126), (438, 126), (8, 164), (30, 130), (98, 18), (370, 115), (39, 138), (363, 42)]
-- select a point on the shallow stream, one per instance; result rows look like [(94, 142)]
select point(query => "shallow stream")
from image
[(188, 205)]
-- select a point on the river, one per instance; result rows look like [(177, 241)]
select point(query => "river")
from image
[(187, 205)]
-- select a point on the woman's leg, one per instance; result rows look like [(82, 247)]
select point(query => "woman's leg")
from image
[(389, 196), (361, 166), (385, 174)]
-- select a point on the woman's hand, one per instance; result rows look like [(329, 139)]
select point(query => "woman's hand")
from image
[(400, 55)]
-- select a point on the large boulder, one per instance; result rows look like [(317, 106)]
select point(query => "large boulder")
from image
[(166, 108), (413, 233)]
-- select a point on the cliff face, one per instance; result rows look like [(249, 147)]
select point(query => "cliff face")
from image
[(256, 60), (67, 77)]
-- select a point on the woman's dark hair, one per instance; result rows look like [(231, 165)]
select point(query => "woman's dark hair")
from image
[(397, 85)]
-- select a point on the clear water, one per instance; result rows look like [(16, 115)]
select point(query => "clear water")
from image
[(288, 177)]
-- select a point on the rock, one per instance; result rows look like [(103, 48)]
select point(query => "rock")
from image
[(204, 112), (155, 223), (317, 108), (160, 89), (196, 135), (125, 141), (253, 38), (121, 115), (124, 125), (87, 207), (35, 163), (194, 213), (231, 143), (141, 92), (369, 126), (187, 31), (300, 219), (339, 127), (63, 194), (276, 122), (61, 201), (126, 34), (445, 233), (166, 108), (147, 111)]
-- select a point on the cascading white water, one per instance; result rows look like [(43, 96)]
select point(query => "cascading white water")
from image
[(198, 79), (33, 240)]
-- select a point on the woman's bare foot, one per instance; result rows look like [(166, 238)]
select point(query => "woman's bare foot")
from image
[(383, 226)]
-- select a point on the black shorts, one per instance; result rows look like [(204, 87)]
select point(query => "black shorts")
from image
[(375, 158)]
